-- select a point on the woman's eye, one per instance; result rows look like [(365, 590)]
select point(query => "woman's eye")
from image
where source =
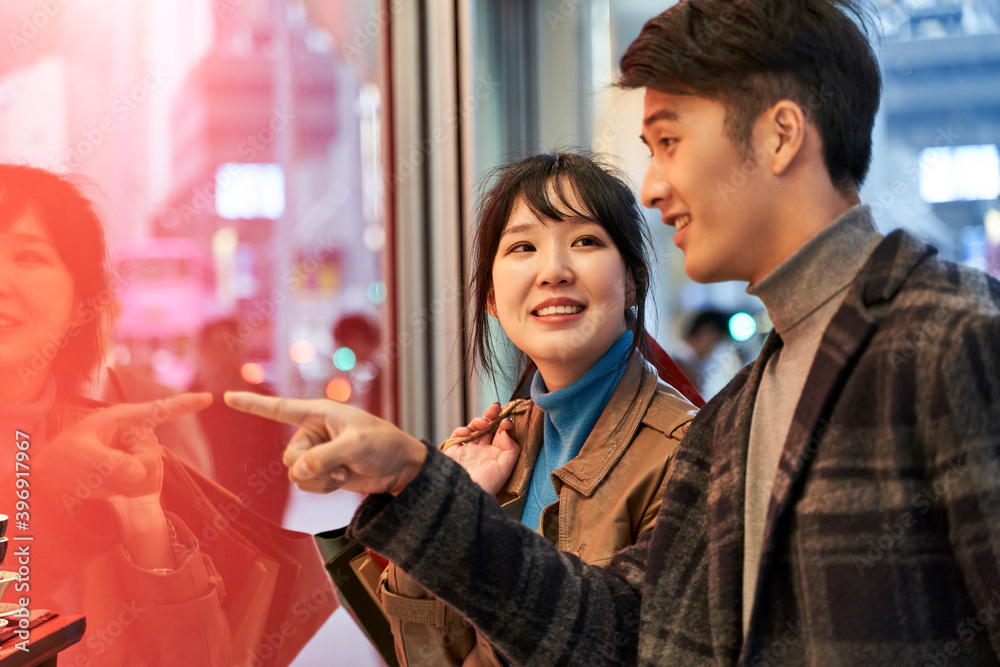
[(588, 241), (521, 247), (32, 257)]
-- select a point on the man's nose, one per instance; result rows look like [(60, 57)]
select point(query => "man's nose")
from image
[(655, 188)]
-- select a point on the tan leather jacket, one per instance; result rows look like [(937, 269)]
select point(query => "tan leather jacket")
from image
[(609, 494)]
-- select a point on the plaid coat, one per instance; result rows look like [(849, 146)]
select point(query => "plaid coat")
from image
[(882, 543)]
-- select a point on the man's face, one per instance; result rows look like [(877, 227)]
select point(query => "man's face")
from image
[(720, 203)]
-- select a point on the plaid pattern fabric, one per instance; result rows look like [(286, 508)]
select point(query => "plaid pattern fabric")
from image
[(883, 538)]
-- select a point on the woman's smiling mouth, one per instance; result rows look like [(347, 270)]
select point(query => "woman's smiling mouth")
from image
[(557, 310)]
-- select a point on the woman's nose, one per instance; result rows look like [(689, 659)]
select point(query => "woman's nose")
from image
[(556, 267), (6, 276)]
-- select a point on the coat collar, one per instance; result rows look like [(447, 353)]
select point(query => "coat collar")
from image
[(843, 343), (609, 438), (613, 431)]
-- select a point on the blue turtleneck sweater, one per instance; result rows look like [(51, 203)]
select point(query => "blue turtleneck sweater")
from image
[(570, 416)]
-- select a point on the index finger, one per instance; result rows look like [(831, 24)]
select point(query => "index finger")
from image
[(286, 410), (154, 413)]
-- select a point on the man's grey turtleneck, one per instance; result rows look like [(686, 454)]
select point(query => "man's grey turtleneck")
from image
[(801, 296)]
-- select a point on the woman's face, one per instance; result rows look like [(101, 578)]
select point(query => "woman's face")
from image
[(36, 304), (560, 291)]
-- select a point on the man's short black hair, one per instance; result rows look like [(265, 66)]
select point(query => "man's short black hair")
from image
[(750, 54)]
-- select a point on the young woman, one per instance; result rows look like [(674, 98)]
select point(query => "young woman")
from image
[(561, 262), (105, 540)]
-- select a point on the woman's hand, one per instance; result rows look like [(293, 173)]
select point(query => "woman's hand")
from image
[(490, 458)]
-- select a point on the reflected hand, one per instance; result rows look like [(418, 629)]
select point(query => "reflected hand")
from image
[(337, 445), (118, 445), (490, 458)]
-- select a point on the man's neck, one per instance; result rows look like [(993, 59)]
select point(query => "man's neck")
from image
[(800, 216)]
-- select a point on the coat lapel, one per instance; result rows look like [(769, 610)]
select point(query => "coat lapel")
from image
[(842, 344), (613, 432), (725, 511)]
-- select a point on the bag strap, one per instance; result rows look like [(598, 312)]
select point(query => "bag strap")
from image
[(670, 372), (428, 612)]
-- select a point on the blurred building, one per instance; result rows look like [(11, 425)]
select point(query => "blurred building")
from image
[(937, 165)]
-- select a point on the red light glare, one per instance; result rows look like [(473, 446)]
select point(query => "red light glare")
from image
[(252, 373), (339, 389)]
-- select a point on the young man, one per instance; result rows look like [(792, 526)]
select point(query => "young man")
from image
[(839, 502)]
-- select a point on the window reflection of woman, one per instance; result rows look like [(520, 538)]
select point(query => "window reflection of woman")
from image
[(102, 542)]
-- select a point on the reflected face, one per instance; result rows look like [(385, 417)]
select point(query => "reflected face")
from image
[(560, 292), (705, 188), (36, 300)]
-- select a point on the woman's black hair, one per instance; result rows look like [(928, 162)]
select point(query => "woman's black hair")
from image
[(550, 184), (77, 234)]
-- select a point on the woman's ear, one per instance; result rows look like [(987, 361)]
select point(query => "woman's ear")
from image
[(491, 304), (630, 299)]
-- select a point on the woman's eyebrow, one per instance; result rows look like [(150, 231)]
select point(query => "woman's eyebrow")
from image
[(25, 236), (528, 226), (518, 229)]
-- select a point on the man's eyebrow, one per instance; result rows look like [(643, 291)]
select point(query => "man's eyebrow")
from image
[(662, 114)]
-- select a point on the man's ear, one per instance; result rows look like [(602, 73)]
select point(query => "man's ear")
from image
[(785, 133)]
